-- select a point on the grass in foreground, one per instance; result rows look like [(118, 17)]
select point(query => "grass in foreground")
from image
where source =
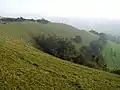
[(24, 67)]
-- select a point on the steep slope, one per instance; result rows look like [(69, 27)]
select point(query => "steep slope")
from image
[(111, 54), (21, 30), (24, 67)]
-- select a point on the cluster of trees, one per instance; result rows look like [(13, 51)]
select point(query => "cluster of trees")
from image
[(5, 20), (77, 39), (113, 38), (42, 21), (58, 46), (94, 32), (97, 47), (12, 19), (64, 48)]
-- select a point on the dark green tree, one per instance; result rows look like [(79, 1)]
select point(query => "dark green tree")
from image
[(77, 39)]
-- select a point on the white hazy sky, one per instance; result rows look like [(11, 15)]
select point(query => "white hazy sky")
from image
[(61, 8)]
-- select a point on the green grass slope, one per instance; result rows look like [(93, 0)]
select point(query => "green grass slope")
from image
[(25, 68), (21, 30), (111, 54)]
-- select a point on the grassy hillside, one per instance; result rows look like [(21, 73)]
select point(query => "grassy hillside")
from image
[(21, 30), (111, 54), (24, 67)]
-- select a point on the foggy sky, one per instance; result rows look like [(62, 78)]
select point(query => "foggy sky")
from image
[(61, 8)]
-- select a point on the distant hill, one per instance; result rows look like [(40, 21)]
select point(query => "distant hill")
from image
[(21, 30), (98, 24)]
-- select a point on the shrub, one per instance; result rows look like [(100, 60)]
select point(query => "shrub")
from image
[(116, 72), (77, 39)]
